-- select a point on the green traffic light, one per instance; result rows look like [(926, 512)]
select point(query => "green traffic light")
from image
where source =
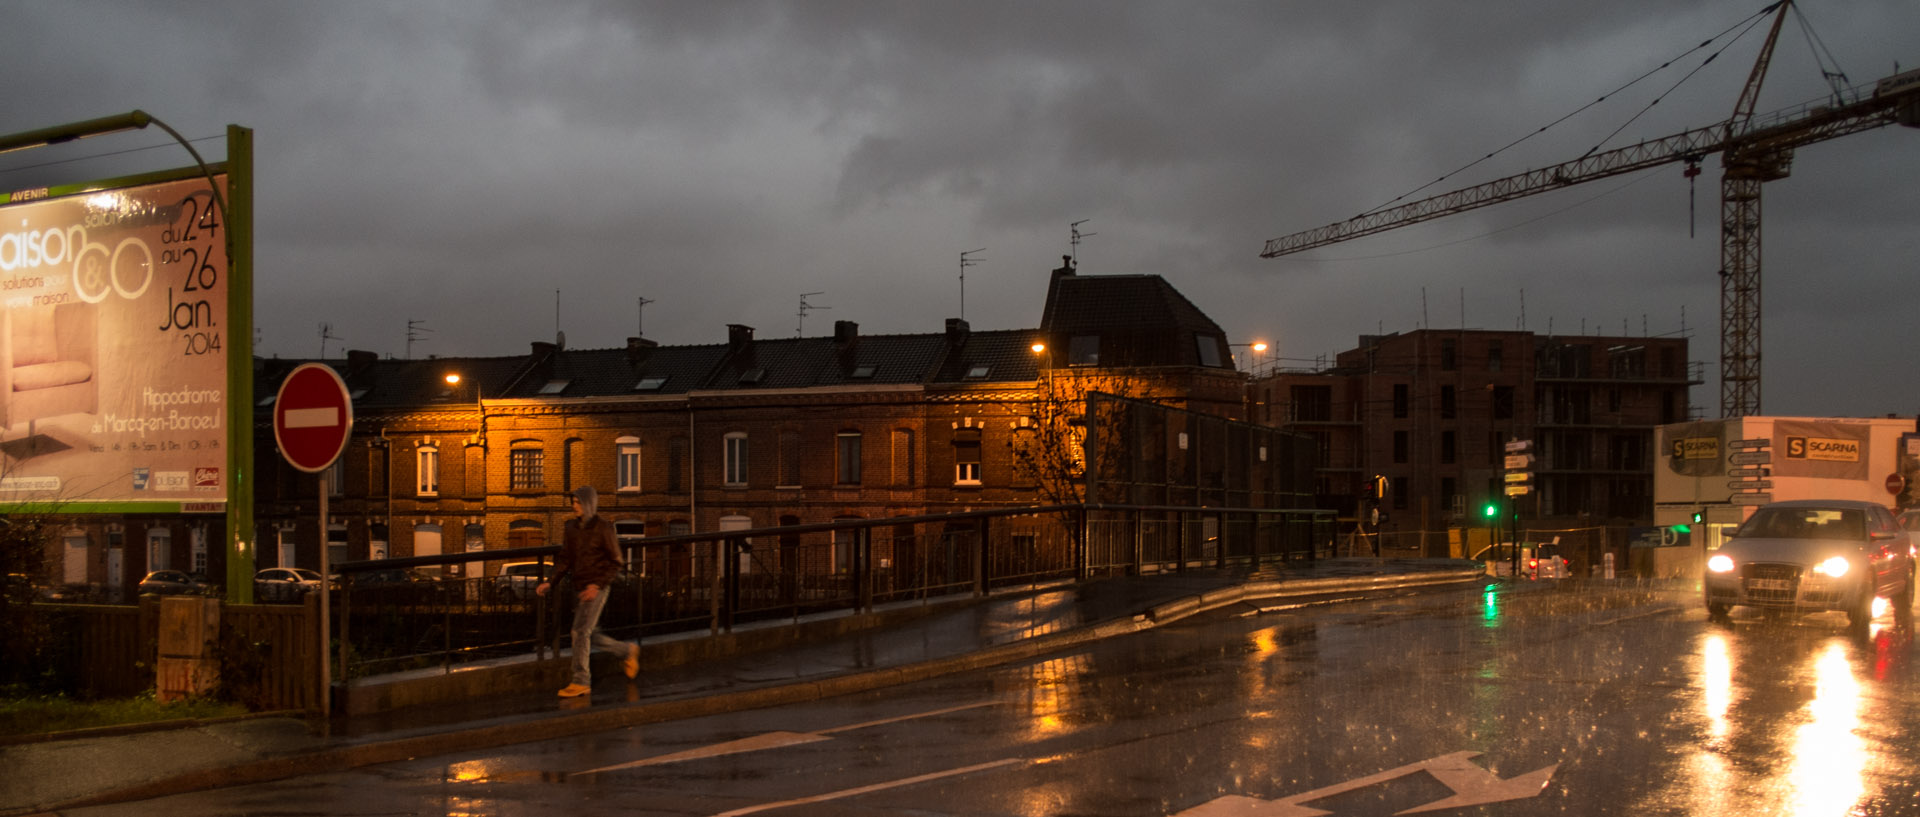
[(1490, 510)]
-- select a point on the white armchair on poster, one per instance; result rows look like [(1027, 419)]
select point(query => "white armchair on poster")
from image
[(48, 363)]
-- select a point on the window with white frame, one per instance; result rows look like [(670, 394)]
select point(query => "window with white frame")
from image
[(159, 549), (847, 450), (197, 537), (966, 459), (626, 459), (427, 467), (734, 472), (526, 468), (845, 541)]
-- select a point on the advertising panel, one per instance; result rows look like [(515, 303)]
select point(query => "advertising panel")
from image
[(112, 351), (1827, 449), (1693, 449)]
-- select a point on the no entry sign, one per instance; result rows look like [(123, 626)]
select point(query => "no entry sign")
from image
[(312, 417)]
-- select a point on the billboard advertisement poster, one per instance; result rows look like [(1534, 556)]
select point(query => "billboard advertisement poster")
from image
[(112, 346)]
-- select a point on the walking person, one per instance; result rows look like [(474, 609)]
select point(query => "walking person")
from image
[(591, 555)]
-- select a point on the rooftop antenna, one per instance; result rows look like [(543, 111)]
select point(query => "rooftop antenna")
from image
[(414, 328), (560, 337), (640, 325), (804, 309), (326, 334), (1073, 242), (966, 262)]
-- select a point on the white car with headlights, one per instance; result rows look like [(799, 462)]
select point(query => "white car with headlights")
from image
[(1812, 556)]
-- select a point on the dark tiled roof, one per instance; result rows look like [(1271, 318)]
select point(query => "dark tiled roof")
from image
[(1141, 320), (1006, 355)]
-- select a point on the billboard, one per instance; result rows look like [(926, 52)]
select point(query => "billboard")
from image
[(113, 367)]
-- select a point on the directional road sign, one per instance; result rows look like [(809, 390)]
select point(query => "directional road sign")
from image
[(1751, 498), (312, 417), (1750, 457), (1750, 484), (1760, 442)]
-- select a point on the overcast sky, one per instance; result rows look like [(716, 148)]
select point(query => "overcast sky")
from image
[(457, 163)]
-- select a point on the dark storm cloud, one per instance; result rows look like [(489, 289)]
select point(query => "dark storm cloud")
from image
[(457, 163)]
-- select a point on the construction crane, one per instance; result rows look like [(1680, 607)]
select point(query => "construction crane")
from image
[(1752, 152)]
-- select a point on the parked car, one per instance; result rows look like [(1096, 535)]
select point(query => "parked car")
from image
[(1537, 561), (171, 583), (517, 580), (1548, 562), (1814, 555), (285, 583)]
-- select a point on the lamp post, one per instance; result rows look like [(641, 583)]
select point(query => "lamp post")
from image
[(480, 430), (1256, 346)]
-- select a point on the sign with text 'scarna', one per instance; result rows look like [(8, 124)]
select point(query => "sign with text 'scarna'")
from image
[(113, 374)]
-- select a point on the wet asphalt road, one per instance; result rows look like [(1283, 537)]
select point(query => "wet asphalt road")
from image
[(1546, 698)]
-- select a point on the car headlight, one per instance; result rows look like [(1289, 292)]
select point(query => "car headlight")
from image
[(1836, 566), (1720, 563)]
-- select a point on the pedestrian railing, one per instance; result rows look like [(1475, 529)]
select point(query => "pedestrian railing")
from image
[(444, 611)]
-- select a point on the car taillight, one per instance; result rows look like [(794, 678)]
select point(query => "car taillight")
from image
[(1533, 563)]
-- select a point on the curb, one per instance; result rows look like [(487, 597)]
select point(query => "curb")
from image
[(344, 757)]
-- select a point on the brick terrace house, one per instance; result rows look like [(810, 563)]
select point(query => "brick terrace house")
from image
[(1432, 410), (751, 433)]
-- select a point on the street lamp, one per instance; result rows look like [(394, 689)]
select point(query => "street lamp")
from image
[(480, 434), (1256, 346)]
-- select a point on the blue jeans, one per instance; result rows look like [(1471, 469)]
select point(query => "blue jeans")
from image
[(587, 636)]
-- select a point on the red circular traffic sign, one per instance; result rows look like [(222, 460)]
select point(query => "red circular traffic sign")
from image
[(312, 417), (1896, 483)]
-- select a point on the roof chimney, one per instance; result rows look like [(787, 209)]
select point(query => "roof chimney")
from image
[(1066, 267), (638, 350), (956, 331), (845, 333), (358, 360), (739, 336)]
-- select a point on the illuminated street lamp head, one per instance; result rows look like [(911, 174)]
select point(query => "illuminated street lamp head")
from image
[(453, 379), (1039, 347), (1259, 346)]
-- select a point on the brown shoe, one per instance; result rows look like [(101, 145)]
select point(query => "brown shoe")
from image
[(631, 666), (574, 690)]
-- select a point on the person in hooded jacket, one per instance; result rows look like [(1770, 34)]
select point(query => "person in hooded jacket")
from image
[(590, 554)]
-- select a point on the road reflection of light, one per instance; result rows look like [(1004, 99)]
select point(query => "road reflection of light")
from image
[(1050, 690), (1716, 686), (469, 771), (1490, 607), (1829, 757)]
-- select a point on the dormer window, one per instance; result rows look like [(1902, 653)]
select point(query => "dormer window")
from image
[(1083, 350), (863, 372), (752, 376), (978, 372), (650, 384), (555, 386)]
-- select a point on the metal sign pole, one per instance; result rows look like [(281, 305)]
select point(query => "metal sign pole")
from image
[(326, 621)]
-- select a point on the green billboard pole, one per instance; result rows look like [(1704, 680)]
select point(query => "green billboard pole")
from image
[(242, 543)]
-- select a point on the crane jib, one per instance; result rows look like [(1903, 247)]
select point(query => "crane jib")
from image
[(1779, 131)]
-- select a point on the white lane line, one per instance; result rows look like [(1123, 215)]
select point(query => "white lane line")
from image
[(891, 784), (769, 740), (774, 740), (916, 715)]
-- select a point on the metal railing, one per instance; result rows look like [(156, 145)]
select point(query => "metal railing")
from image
[(439, 612)]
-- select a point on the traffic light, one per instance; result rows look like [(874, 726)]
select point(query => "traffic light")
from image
[(1699, 517), (1490, 510)]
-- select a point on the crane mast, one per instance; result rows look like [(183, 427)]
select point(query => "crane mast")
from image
[(1751, 153)]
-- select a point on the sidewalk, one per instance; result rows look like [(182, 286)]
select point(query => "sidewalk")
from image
[(72, 770)]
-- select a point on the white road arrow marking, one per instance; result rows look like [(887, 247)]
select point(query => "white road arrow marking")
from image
[(1471, 785)]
